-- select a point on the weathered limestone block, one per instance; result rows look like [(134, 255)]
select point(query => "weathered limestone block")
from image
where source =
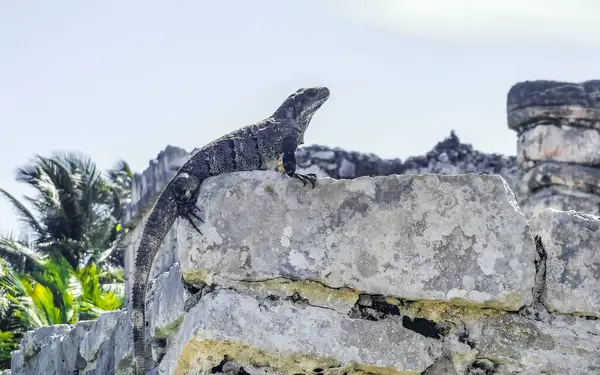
[(529, 342), (51, 350), (289, 339), (166, 302), (101, 331), (553, 143), (562, 199), (577, 178), (71, 360), (560, 186), (562, 103), (122, 345), (98, 347), (517, 345), (570, 240), (33, 341), (454, 238)]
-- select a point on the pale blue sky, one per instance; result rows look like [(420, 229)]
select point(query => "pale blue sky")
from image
[(123, 79)]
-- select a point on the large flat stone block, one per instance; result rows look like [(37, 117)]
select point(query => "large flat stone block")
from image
[(458, 238), (288, 339)]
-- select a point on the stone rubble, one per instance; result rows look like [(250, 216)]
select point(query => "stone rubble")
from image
[(558, 127), (449, 156), (411, 274)]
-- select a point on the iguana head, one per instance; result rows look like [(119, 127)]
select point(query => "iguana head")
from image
[(297, 110)]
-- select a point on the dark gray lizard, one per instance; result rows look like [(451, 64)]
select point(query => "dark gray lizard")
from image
[(268, 144)]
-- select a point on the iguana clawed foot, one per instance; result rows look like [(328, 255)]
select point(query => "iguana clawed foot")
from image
[(190, 211), (310, 177)]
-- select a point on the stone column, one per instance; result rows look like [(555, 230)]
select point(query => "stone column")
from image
[(558, 149)]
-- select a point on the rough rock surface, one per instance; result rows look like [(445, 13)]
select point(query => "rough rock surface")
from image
[(55, 349), (449, 156), (577, 178), (330, 295), (556, 102), (570, 240), (433, 237), (560, 198), (566, 144), (297, 339)]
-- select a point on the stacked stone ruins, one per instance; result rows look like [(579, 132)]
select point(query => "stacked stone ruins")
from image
[(456, 262), (558, 148)]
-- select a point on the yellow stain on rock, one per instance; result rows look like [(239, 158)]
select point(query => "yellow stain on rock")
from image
[(201, 355), (315, 292)]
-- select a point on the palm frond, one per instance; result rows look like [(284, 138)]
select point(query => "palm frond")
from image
[(20, 257), (120, 178), (22, 315), (25, 215)]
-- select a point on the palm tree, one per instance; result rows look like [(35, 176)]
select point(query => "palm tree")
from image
[(78, 209), (49, 275)]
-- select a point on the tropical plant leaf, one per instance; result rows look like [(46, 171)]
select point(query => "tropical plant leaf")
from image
[(8, 343), (21, 257), (25, 215), (22, 314)]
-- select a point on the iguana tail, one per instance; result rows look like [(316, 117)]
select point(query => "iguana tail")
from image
[(160, 221)]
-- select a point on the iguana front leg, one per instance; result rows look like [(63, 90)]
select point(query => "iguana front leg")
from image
[(186, 188), (290, 144)]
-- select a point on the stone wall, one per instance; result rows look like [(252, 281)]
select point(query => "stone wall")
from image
[(401, 274), (395, 272), (558, 127), (449, 156), (146, 187)]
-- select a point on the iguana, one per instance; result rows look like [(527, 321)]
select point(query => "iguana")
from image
[(265, 145)]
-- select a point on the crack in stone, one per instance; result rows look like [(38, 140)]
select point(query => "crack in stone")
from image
[(197, 296), (482, 366), (296, 299), (540, 270), (281, 278), (538, 310), (229, 367), (377, 308)]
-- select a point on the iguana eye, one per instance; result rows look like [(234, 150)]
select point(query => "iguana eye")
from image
[(311, 93)]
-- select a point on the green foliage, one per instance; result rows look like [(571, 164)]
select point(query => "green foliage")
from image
[(96, 297), (8, 343), (61, 270), (58, 294)]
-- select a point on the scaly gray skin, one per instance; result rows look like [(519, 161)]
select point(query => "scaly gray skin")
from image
[(268, 144)]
